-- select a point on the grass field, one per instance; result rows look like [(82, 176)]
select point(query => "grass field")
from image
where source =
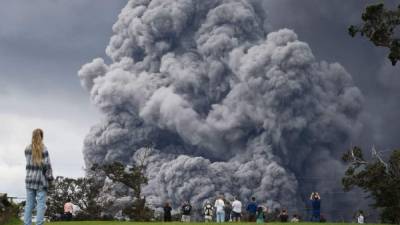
[(16, 222)]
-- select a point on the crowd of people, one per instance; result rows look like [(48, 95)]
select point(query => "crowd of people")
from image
[(224, 210)]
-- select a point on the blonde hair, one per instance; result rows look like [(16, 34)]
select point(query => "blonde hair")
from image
[(37, 146)]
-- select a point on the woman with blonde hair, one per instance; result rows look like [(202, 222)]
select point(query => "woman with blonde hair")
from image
[(38, 176)]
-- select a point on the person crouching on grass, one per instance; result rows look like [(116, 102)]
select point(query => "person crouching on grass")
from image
[(38, 176), (68, 210)]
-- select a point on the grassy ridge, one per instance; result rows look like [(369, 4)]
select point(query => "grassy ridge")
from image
[(16, 222)]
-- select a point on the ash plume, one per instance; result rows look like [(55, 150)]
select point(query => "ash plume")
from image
[(230, 106)]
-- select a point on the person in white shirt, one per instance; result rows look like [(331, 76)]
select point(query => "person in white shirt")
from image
[(236, 210), (219, 208), (360, 218)]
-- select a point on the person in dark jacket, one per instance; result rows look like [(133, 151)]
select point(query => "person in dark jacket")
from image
[(284, 216), (167, 212), (228, 211), (186, 211), (316, 207), (252, 210)]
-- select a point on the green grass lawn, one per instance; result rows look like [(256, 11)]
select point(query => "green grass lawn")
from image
[(16, 222)]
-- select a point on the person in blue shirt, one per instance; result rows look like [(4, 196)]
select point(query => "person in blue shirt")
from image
[(252, 209), (316, 207)]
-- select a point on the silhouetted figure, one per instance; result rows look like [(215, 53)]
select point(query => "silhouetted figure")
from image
[(228, 211), (316, 207), (283, 216), (167, 212)]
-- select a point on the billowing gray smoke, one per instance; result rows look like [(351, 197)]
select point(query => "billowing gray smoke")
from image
[(229, 106)]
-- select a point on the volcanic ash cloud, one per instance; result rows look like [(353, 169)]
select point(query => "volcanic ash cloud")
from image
[(229, 106)]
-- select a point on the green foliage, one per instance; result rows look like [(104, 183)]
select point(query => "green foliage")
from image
[(13, 221), (134, 178), (87, 191), (379, 26), (82, 192), (381, 181), (8, 210), (60, 190)]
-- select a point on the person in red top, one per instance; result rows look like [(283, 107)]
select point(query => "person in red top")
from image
[(68, 210)]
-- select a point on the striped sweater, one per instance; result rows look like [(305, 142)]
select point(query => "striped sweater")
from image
[(35, 178)]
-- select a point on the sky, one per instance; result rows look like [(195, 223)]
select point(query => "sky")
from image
[(44, 43), (42, 46)]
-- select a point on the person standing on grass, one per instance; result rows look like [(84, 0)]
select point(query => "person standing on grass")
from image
[(186, 211), (360, 218), (167, 212), (252, 209), (208, 211), (316, 207), (260, 215), (228, 210), (236, 210), (219, 208), (284, 216), (38, 176)]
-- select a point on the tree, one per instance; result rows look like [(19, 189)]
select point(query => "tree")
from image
[(60, 190), (134, 177), (378, 178), (379, 26), (82, 192), (87, 191)]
